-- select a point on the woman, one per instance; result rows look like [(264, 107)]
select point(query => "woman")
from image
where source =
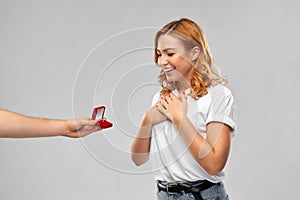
[(193, 118)]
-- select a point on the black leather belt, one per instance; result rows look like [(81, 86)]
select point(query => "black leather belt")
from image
[(179, 187)]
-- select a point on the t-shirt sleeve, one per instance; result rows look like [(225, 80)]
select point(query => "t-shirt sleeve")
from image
[(223, 108)]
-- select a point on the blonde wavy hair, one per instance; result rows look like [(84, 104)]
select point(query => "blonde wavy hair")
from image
[(204, 74)]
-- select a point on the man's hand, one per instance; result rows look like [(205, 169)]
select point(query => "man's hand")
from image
[(80, 127)]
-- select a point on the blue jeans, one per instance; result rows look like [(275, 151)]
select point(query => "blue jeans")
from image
[(215, 192)]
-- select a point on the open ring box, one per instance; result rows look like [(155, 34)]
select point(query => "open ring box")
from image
[(98, 114)]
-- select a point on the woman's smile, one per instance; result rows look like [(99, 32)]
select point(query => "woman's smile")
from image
[(168, 71)]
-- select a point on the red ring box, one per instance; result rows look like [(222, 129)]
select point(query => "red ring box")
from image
[(98, 114)]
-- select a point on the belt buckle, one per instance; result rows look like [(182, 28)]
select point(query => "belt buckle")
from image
[(171, 185)]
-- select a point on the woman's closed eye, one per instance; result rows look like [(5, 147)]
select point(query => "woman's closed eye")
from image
[(159, 54)]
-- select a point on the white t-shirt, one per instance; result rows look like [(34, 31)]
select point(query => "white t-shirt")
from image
[(171, 158)]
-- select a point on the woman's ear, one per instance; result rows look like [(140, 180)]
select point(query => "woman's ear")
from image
[(195, 53)]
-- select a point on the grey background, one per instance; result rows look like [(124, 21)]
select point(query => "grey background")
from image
[(45, 72)]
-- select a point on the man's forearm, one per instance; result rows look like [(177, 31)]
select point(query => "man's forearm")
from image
[(13, 125)]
